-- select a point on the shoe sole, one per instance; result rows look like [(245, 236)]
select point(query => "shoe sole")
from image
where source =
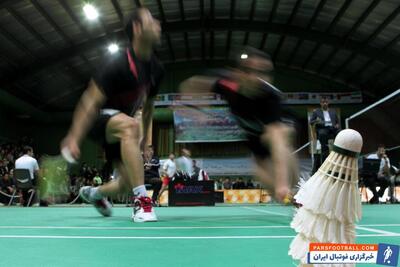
[(143, 221), (82, 197), (98, 209)]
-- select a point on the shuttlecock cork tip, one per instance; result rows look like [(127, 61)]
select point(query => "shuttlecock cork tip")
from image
[(349, 139)]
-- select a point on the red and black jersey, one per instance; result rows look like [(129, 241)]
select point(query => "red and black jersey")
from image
[(252, 113), (127, 80)]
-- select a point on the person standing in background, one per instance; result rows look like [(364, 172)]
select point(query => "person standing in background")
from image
[(168, 172), (184, 163), (326, 124)]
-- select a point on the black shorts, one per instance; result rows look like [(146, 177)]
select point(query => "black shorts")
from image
[(98, 134), (259, 150)]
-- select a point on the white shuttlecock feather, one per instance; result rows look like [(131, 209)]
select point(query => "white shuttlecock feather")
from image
[(330, 199)]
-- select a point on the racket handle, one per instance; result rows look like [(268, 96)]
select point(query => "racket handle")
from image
[(66, 154)]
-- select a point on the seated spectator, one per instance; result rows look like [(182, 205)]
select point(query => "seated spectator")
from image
[(239, 184), (219, 184), (27, 161), (97, 181), (151, 172), (227, 184), (382, 178), (250, 184), (3, 168), (7, 187)]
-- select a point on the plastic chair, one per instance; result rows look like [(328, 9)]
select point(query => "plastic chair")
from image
[(23, 181)]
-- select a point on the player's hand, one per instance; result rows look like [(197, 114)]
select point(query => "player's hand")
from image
[(72, 145)]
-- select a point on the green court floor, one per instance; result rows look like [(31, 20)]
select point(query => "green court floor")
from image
[(226, 236)]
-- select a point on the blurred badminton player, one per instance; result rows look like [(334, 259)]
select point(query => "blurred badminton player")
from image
[(256, 105), (127, 81)]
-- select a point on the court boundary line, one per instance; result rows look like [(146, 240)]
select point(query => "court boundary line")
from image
[(373, 230), (166, 237), (267, 211), (16, 227), (146, 228)]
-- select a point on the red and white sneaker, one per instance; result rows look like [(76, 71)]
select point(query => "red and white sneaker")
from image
[(143, 210), (102, 205)]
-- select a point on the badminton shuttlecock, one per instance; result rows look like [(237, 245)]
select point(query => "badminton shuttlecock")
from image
[(330, 199)]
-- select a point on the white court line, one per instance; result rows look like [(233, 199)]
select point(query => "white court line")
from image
[(373, 230), (145, 228), (267, 211), (361, 227), (142, 237), (166, 237), (384, 225)]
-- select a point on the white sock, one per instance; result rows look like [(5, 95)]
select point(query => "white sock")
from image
[(95, 193), (140, 191)]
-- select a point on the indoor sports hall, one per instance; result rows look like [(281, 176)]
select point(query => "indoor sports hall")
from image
[(171, 133)]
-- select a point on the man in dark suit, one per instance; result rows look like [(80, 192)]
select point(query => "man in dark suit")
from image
[(326, 125)]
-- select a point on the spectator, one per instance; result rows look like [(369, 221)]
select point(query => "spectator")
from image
[(10, 161), (203, 176), (26, 161), (382, 177), (239, 184), (168, 171), (218, 184), (83, 169), (184, 163), (97, 181), (227, 184), (7, 187), (326, 125), (196, 171), (250, 184), (151, 173), (3, 168)]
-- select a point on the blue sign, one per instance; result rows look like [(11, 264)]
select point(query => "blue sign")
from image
[(388, 254)]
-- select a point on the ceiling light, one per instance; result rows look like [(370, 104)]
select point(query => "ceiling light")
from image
[(113, 48), (244, 56), (90, 11)]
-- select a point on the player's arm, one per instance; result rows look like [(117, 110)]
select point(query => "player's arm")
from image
[(84, 115)]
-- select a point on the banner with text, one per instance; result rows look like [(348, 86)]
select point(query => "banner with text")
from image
[(208, 125), (296, 98)]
